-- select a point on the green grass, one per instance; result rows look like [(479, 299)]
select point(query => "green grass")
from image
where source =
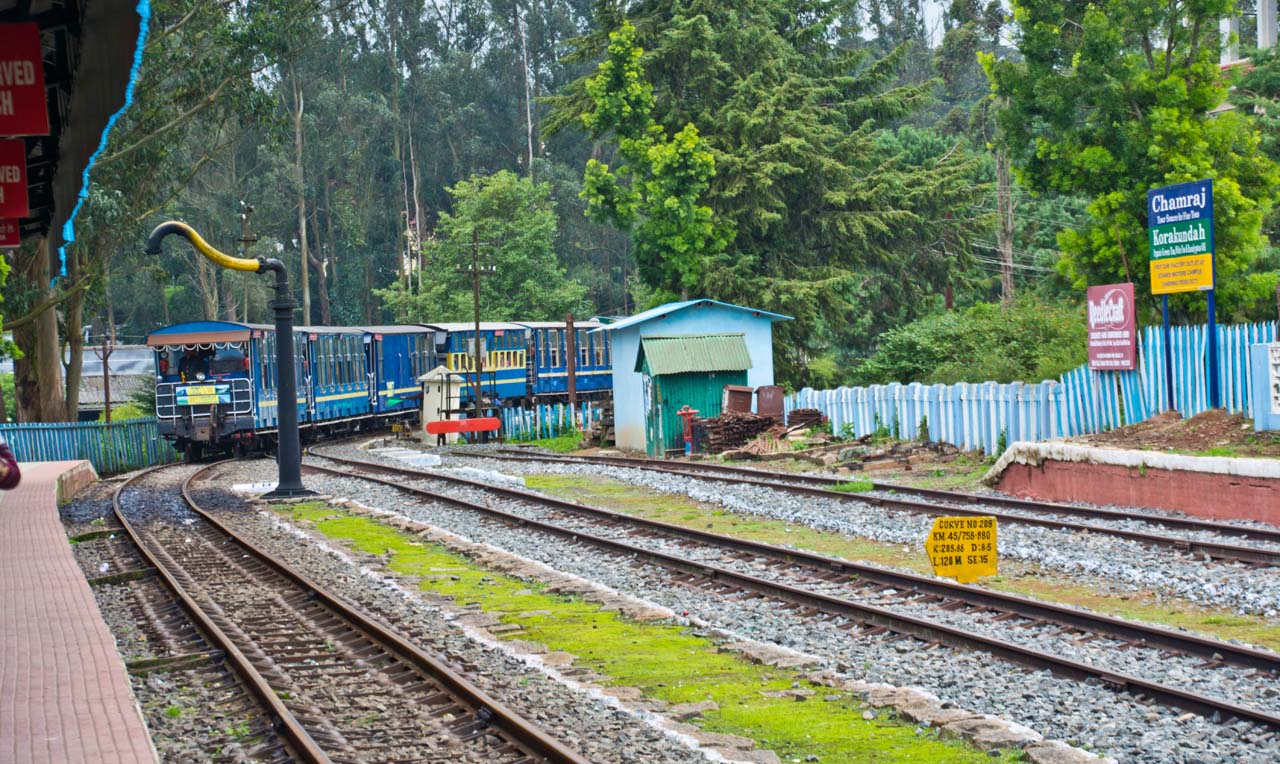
[(861, 485), (1017, 578), (666, 661), (562, 443)]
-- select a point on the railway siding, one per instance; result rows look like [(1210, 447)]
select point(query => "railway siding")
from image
[(664, 660), (1091, 556), (1116, 730)]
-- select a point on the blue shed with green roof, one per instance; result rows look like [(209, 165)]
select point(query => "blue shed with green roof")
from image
[(683, 354)]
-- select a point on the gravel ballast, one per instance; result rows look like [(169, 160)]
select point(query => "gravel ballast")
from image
[(1077, 713)]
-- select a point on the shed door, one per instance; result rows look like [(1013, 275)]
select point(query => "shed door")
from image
[(699, 390)]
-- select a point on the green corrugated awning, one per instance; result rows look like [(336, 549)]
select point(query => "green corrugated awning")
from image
[(681, 353)]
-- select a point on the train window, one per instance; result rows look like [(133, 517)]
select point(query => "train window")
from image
[(608, 348), (267, 346), (598, 346), (228, 360), (553, 339), (584, 349)]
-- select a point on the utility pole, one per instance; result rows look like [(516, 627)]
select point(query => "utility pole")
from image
[(476, 272), (105, 355), (571, 366)]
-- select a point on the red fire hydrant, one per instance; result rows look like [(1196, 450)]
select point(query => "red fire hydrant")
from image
[(687, 414)]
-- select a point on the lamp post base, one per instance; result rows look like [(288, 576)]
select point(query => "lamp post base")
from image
[(288, 493)]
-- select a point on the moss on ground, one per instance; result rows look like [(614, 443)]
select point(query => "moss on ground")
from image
[(1017, 578), (666, 661)]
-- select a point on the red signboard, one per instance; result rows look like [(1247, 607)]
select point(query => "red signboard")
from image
[(482, 424), (13, 179), (9, 234), (23, 110), (1113, 329)]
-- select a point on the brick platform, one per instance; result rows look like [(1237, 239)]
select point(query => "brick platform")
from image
[(64, 694), (1216, 488)]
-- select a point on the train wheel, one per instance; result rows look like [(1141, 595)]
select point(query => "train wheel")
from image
[(193, 452)]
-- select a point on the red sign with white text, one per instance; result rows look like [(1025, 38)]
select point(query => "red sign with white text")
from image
[(1113, 329), (13, 179), (9, 234), (23, 110)]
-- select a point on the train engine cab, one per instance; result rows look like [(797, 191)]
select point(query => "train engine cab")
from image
[(204, 384)]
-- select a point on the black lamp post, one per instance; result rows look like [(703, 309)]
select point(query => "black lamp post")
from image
[(289, 450)]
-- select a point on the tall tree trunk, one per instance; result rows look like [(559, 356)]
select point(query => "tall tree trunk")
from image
[(207, 283), (38, 375), (416, 255), (524, 76), (300, 180), (73, 320), (1004, 228), (228, 293), (322, 280), (368, 291), (328, 224)]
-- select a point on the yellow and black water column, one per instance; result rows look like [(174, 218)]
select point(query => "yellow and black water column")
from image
[(289, 450)]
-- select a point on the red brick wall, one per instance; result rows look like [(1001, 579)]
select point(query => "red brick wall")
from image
[(1220, 497)]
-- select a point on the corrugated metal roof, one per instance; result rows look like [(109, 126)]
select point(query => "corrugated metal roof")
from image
[(672, 307), (680, 353)]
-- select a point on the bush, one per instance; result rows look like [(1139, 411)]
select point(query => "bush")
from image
[(1029, 340), (124, 411)]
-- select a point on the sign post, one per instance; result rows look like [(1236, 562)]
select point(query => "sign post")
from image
[(963, 548), (1113, 331), (1180, 231), (13, 179), (23, 109)]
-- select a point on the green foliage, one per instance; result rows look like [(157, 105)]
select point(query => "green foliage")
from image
[(1097, 107), (7, 391), (1028, 340), (830, 221), (565, 442), (656, 191), (144, 399), (124, 411), (922, 430), (515, 222)]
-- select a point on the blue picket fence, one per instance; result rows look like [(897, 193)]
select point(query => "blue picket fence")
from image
[(117, 447), (982, 415), (546, 420)]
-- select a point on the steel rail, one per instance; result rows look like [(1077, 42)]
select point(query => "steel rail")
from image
[(872, 614), (961, 497), (520, 730), (1213, 549), (305, 747), (1128, 631)]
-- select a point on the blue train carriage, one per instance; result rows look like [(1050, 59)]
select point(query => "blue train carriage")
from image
[(504, 379), (334, 383), (549, 369), (396, 356), (215, 384)]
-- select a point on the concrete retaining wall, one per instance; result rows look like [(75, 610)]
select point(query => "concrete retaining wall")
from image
[(1212, 487)]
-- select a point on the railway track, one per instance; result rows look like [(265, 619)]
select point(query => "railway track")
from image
[(339, 685), (864, 600), (162, 638), (939, 502)]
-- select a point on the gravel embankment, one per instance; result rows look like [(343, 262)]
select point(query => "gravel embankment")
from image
[(1111, 562), (1079, 713)]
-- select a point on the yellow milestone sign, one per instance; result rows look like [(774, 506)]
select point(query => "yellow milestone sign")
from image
[(963, 548)]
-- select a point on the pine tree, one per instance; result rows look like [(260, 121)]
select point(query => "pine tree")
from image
[(830, 225)]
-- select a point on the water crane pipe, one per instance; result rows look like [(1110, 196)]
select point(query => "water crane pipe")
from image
[(289, 450)]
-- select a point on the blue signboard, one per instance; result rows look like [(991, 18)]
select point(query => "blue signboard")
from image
[(1180, 230)]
